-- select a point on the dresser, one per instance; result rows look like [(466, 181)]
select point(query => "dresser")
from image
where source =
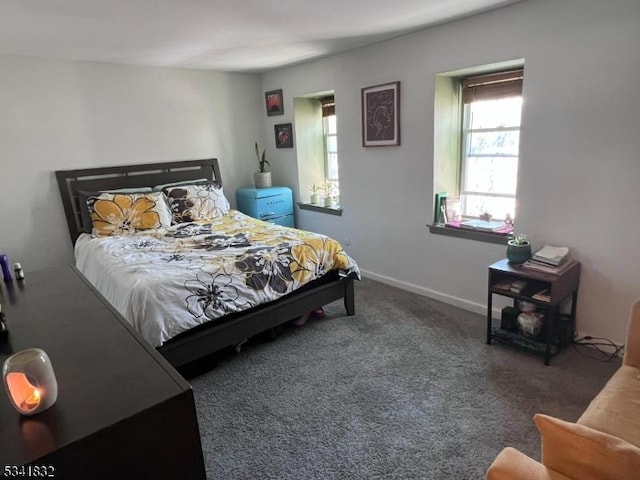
[(122, 411), (273, 204)]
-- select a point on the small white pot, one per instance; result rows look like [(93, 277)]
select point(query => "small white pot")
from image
[(314, 198), (262, 179), (328, 201)]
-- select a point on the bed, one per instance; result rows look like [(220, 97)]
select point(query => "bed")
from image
[(163, 280)]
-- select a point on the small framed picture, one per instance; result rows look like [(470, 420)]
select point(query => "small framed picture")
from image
[(284, 135), (274, 103), (381, 115), (453, 207)]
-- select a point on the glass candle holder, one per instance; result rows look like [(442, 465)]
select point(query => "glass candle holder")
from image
[(30, 381)]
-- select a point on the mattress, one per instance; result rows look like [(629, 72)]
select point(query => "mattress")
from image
[(167, 281)]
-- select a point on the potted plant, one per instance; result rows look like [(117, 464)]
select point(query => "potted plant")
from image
[(315, 196), (518, 249), (329, 191), (262, 177)]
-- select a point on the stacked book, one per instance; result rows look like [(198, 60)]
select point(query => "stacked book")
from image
[(542, 295), (515, 286), (551, 255), (549, 259), (483, 225)]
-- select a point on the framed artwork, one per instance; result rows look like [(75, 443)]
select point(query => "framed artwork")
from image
[(381, 115), (274, 103), (453, 209), (284, 135)]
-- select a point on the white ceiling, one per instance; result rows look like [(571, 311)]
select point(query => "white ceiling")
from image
[(240, 35)]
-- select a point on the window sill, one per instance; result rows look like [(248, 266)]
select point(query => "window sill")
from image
[(487, 237), (319, 208)]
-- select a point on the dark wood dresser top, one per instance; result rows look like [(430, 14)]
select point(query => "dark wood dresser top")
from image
[(106, 373)]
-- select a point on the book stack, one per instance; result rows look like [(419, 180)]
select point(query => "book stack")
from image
[(503, 285), (542, 295), (517, 286), (483, 225), (514, 286), (553, 256), (549, 259)]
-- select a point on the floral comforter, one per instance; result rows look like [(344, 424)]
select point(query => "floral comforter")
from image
[(167, 281)]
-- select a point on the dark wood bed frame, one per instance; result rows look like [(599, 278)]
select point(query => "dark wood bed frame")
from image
[(208, 338)]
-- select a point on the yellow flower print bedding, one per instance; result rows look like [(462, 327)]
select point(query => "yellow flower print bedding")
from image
[(192, 203), (168, 280), (312, 256)]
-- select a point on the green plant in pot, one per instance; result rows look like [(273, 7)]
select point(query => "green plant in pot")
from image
[(315, 196), (329, 191), (518, 249), (262, 177)]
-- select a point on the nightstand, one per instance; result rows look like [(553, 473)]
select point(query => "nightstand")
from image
[(556, 334), (273, 204)]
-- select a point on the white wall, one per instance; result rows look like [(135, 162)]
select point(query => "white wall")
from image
[(62, 115), (580, 166)]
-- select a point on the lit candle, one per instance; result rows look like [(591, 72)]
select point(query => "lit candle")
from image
[(32, 401), (30, 381)]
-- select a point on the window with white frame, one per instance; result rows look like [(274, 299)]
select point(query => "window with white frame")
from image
[(330, 131), (490, 139), (316, 126)]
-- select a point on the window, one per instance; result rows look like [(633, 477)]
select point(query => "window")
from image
[(330, 130), (490, 137), (476, 143), (316, 144)]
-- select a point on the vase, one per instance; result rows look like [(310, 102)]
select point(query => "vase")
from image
[(262, 179), (315, 198), (518, 253), (328, 201)]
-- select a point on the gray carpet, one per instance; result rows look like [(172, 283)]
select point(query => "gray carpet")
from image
[(406, 389)]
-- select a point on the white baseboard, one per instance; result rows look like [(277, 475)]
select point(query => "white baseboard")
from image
[(448, 299), (427, 292)]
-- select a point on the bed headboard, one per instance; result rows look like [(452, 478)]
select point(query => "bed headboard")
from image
[(70, 182)]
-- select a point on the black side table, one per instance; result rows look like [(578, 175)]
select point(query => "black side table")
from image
[(560, 287)]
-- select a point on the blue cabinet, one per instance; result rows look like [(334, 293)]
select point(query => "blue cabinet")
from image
[(273, 204)]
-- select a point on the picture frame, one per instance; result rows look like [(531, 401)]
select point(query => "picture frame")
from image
[(274, 102), (381, 115), (453, 209), (283, 135)]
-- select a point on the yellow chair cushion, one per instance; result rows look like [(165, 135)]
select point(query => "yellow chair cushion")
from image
[(511, 464), (616, 409), (581, 452)]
